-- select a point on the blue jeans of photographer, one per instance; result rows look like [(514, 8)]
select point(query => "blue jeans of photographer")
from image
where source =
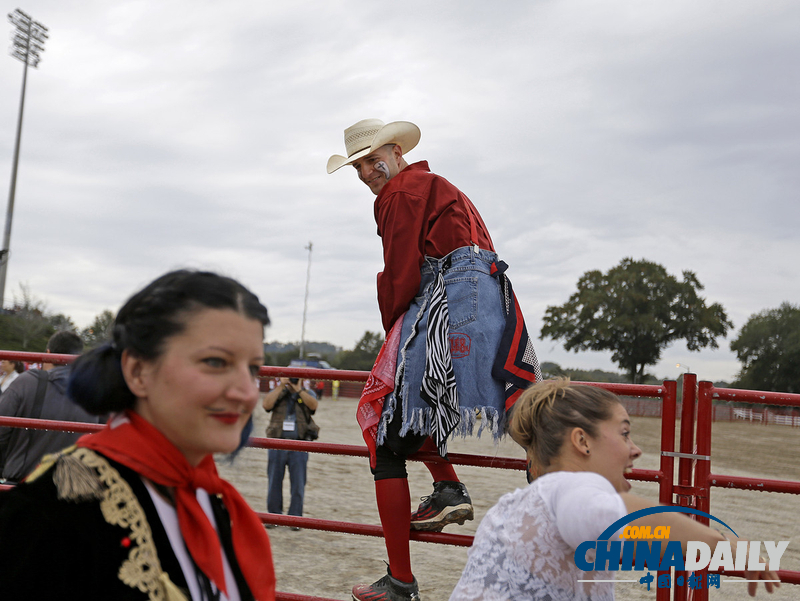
[(278, 461)]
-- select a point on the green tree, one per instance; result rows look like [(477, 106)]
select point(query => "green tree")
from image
[(552, 370), (280, 353), (363, 355), (769, 348), (99, 331), (285, 357), (30, 324), (635, 310), (59, 321)]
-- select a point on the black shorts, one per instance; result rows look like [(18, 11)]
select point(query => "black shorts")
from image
[(391, 455)]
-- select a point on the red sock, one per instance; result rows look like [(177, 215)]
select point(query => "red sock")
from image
[(394, 502), (439, 471)]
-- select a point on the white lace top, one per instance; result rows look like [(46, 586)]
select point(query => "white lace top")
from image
[(524, 548)]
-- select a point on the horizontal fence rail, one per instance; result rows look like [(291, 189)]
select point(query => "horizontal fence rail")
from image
[(708, 393)]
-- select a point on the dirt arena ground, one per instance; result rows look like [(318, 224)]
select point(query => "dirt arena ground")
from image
[(329, 564)]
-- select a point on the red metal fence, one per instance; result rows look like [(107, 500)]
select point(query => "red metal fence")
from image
[(691, 488), (694, 472)]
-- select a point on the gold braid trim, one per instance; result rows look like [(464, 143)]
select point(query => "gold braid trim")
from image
[(47, 462), (120, 507)]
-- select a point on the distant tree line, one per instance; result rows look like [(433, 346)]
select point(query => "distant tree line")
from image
[(361, 357), (28, 324), (554, 370), (635, 310), (281, 353)]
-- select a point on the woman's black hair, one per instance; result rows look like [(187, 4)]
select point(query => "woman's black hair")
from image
[(143, 325)]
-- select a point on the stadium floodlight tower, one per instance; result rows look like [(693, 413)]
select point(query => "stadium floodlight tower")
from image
[(305, 302), (27, 43)]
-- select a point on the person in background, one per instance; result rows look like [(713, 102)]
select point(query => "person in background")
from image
[(456, 346), (40, 394), (137, 511), (9, 371), (291, 405), (579, 447)]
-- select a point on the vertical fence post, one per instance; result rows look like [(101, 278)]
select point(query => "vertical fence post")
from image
[(666, 482), (685, 465), (667, 466), (686, 444), (702, 471)]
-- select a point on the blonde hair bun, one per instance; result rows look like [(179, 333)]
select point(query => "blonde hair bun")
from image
[(548, 410)]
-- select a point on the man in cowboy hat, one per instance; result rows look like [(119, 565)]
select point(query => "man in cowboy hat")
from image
[(456, 345)]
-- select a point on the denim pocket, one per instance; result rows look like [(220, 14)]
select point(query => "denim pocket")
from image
[(462, 299)]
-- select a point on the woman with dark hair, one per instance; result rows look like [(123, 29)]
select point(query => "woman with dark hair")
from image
[(137, 510), (9, 371), (579, 447)]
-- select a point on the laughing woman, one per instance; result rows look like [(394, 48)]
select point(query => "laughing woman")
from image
[(579, 447), (137, 510)]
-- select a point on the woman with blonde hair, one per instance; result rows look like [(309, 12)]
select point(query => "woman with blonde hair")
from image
[(579, 448)]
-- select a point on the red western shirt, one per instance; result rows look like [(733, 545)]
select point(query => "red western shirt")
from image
[(419, 214)]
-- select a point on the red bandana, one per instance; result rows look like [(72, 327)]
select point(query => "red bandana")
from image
[(141, 447), (379, 384)]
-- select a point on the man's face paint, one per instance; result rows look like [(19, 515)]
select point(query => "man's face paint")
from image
[(383, 168)]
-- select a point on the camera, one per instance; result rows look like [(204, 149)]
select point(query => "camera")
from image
[(294, 380)]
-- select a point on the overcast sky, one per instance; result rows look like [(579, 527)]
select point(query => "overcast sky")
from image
[(167, 134)]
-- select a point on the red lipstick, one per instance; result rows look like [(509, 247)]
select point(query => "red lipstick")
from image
[(226, 418)]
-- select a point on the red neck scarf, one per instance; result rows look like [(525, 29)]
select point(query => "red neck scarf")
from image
[(138, 445)]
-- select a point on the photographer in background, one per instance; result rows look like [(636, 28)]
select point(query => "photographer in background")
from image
[(292, 406)]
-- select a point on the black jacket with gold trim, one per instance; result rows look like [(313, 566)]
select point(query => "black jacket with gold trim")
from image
[(84, 527)]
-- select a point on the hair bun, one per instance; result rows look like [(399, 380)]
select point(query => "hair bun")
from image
[(548, 410)]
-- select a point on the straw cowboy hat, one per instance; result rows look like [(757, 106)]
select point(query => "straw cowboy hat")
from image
[(366, 136)]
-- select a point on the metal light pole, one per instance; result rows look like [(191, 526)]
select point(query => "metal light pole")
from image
[(305, 303), (26, 44)]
